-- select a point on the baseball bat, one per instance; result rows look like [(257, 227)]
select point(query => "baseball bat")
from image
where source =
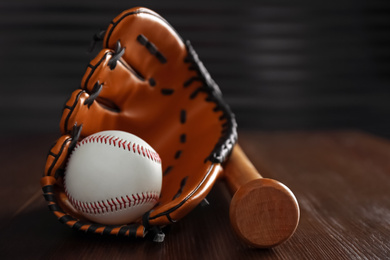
[(263, 212)]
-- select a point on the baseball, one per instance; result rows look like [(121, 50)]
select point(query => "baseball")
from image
[(113, 177)]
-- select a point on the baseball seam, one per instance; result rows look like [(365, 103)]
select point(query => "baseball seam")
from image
[(120, 143), (114, 204)]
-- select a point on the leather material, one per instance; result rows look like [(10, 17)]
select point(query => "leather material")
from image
[(149, 82)]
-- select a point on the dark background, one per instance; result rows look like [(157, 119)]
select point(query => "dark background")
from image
[(281, 65)]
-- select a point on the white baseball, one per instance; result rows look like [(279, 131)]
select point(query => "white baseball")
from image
[(113, 177)]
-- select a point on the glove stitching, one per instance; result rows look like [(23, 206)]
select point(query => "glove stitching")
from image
[(182, 185), (229, 133), (119, 51), (97, 88), (183, 120), (167, 91), (152, 82), (183, 138), (178, 154), (151, 48), (167, 170), (183, 116)]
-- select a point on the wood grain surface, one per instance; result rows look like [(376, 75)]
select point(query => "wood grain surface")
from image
[(341, 180)]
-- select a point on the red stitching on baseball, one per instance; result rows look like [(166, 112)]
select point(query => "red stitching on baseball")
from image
[(120, 204), (124, 202), (89, 210), (113, 203), (121, 143), (114, 141), (108, 202), (80, 204), (93, 208), (128, 199), (100, 207)]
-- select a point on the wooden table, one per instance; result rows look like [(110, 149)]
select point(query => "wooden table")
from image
[(341, 180)]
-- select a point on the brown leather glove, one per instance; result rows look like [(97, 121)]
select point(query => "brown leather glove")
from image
[(147, 81)]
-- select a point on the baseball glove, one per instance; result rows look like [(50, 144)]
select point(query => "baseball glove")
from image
[(147, 81)]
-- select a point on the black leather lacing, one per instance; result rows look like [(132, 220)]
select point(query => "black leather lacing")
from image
[(97, 37), (202, 75), (94, 94), (119, 51), (75, 135), (229, 133)]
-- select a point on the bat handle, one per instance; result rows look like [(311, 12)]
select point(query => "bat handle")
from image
[(263, 212)]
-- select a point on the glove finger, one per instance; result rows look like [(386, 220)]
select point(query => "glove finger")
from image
[(51, 183), (82, 109), (119, 81), (152, 47), (57, 157)]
